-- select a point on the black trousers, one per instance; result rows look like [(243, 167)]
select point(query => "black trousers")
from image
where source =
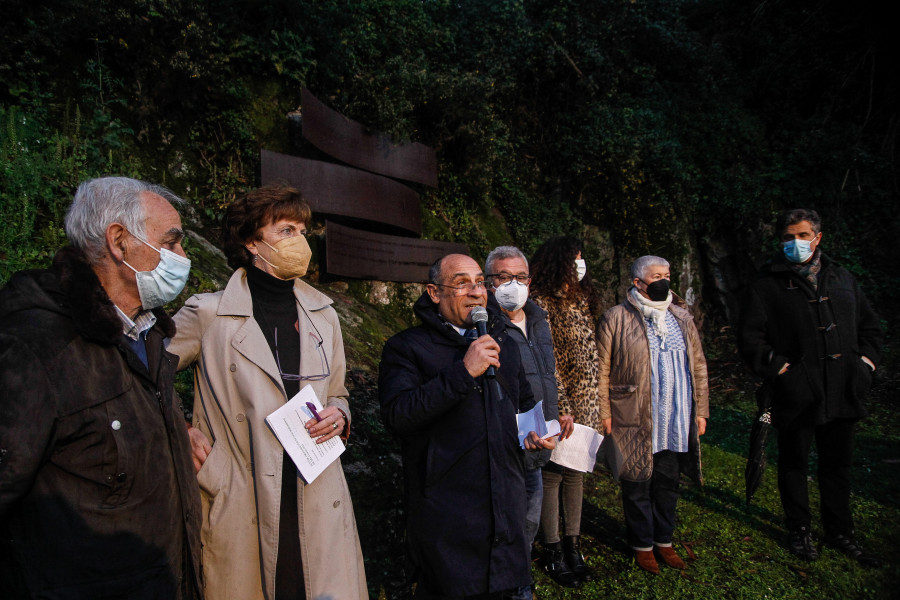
[(834, 444), (650, 505)]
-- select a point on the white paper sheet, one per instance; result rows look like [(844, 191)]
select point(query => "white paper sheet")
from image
[(288, 425), (533, 420), (579, 451)]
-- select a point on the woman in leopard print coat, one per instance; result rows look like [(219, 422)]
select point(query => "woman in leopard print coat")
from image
[(561, 286)]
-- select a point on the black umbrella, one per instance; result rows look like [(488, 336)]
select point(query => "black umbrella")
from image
[(756, 457)]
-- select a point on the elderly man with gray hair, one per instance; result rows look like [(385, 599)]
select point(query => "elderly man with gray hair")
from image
[(654, 402), (507, 272), (98, 497)]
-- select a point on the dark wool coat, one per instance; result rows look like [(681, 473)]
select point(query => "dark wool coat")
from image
[(463, 466), (540, 368), (822, 334), (97, 491)]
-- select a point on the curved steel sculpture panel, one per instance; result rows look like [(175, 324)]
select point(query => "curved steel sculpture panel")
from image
[(354, 253), (339, 190), (347, 140)]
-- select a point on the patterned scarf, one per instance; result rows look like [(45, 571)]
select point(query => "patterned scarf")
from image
[(810, 270), (655, 311)]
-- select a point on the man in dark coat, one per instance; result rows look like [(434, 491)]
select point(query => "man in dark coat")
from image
[(463, 466), (808, 330), (507, 271), (98, 497)]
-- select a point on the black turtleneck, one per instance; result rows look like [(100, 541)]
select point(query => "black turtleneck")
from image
[(274, 306)]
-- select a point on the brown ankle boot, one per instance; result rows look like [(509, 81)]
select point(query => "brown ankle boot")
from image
[(670, 557), (646, 561)]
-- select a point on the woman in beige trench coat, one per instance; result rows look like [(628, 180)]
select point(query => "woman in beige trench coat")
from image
[(265, 533)]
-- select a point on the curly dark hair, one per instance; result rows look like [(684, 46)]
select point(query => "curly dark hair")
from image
[(553, 269), (254, 210)]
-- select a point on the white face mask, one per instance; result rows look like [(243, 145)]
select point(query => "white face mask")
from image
[(511, 296), (580, 268), (164, 283)]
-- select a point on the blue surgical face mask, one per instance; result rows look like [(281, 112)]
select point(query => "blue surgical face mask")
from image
[(798, 251), (164, 283)]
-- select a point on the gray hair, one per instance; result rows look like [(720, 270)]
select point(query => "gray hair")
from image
[(103, 201), (640, 266), (434, 272), (502, 253)]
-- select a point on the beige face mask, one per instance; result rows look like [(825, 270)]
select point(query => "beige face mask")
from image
[(291, 258)]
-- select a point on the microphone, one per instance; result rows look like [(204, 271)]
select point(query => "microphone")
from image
[(479, 318)]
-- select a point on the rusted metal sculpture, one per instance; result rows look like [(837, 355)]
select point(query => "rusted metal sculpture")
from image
[(338, 190), (368, 195), (348, 141), (367, 255)]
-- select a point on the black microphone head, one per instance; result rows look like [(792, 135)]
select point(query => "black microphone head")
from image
[(479, 314)]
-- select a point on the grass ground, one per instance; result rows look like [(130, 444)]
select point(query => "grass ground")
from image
[(733, 550)]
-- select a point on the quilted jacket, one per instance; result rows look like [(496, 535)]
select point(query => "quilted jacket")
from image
[(625, 390)]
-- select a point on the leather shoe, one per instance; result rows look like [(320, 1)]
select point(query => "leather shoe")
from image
[(800, 544), (646, 561), (670, 557), (847, 544)]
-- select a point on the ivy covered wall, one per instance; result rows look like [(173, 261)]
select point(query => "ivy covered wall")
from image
[(672, 127)]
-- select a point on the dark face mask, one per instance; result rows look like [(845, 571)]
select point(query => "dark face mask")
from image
[(658, 290)]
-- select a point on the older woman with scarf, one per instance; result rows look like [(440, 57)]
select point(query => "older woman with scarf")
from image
[(561, 286), (266, 533), (654, 402)]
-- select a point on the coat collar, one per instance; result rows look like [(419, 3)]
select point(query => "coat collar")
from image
[(533, 314), (427, 311), (533, 311), (237, 301), (93, 313), (778, 264)]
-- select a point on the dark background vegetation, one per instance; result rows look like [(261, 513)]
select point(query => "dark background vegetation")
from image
[(678, 128)]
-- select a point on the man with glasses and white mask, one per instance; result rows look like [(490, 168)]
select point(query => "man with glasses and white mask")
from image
[(508, 275), (97, 495), (451, 396)]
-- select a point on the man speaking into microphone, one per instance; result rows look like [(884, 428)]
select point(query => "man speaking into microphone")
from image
[(463, 466)]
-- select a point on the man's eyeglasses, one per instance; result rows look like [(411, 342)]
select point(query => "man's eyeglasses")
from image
[(504, 278), (463, 288)]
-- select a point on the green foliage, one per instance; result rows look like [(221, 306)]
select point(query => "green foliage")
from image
[(36, 174), (663, 123)]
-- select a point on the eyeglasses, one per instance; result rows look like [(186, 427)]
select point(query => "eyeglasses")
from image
[(318, 341), (504, 278), (463, 288)]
